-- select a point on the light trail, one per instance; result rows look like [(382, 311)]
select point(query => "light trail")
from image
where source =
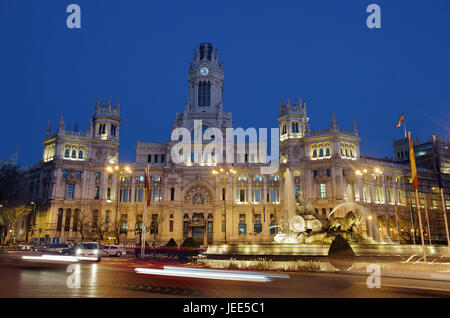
[(209, 274), (225, 271), (59, 258)]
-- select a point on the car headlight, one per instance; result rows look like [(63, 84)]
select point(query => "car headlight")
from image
[(78, 251), (95, 252)]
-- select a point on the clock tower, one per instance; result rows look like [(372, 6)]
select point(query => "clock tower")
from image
[(205, 84), (205, 80)]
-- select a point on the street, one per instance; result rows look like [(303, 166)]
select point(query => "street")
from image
[(116, 277)]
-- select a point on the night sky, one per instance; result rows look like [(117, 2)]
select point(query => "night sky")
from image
[(138, 52)]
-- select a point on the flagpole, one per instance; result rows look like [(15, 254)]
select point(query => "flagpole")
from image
[(428, 220), (420, 224), (404, 128), (264, 216), (441, 187), (396, 218), (445, 218), (143, 230), (144, 224), (415, 186), (412, 220)]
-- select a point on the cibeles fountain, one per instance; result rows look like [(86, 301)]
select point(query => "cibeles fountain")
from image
[(300, 226), (302, 232)]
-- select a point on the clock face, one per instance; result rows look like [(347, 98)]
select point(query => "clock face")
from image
[(204, 71)]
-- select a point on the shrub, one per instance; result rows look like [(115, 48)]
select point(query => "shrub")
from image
[(171, 243), (189, 242)]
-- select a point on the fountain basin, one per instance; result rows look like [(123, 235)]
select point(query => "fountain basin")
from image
[(293, 249)]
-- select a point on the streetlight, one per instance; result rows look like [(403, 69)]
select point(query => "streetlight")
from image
[(115, 170), (224, 173), (29, 221)]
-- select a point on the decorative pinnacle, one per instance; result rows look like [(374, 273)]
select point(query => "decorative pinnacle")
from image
[(334, 122), (355, 126), (61, 123), (49, 129)]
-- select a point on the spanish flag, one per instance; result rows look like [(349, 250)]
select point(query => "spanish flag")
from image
[(147, 185), (412, 164), (401, 120)]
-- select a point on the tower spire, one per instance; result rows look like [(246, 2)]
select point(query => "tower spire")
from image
[(48, 130), (61, 125), (98, 105), (355, 126), (334, 122)]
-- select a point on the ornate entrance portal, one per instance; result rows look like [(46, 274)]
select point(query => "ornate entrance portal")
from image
[(201, 228), (198, 234)]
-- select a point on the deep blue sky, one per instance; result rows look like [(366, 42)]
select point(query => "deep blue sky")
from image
[(138, 52)]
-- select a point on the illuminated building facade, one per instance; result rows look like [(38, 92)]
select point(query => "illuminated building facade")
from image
[(81, 180)]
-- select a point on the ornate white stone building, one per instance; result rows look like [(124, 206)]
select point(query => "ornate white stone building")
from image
[(83, 191)]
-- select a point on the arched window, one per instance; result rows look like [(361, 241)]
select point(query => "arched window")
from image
[(59, 221), (107, 218), (80, 154), (315, 153), (101, 129), (67, 220), (204, 94), (242, 226), (66, 153), (321, 152), (75, 220), (74, 153), (283, 130), (198, 198), (295, 127), (257, 226), (328, 152)]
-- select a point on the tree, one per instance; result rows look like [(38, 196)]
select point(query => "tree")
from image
[(11, 215), (81, 223), (13, 199), (104, 227), (156, 220), (2, 229), (11, 188)]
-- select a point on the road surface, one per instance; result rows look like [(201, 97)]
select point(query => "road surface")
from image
[(116, 277)]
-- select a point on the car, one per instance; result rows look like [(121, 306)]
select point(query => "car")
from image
[(57, 248), (113, 250), (89, 249), (26, 247), (72, 251)]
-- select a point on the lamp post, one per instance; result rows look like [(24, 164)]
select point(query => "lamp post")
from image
[(118, 172), (224, 172)]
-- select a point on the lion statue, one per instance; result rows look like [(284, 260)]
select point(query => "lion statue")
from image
[(350, 222)]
